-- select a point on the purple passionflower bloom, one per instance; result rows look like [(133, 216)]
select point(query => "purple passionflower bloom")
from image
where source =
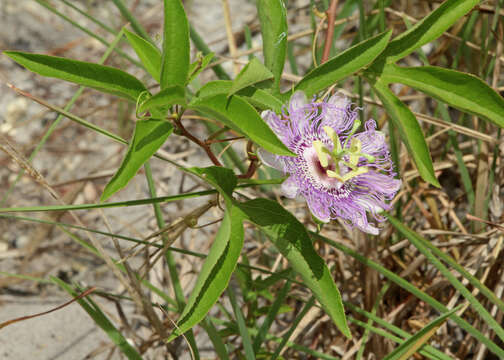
[(340, 173)]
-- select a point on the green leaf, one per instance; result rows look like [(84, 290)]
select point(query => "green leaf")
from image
[(257, 97), (149, 55), (148, 137), (101, 320), (273, 19), (166, 98), (253, 73), (343, 65), (237, 114), (431, 27), (410, 346), (199, 65), (100, 77), (223, 179), (175, 60), (463, 91), (410, 131), (290, 238), (223, 256)]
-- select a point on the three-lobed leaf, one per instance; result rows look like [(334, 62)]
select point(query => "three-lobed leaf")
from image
[(410, 130), (100, 77), (175, 59), (347, 63), (460, 90), (148, 137), (149, 55), (237, 114), (292, 240)]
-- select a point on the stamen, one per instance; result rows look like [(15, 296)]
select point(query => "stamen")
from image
[(354, 152), (355, 126), (321, 153), (334, 138), (359, 171)]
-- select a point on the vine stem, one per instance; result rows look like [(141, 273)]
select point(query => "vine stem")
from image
[(253, 163), (202, 144)]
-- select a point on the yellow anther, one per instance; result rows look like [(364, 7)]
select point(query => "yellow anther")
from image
[(334, 138), (348, 175), (321, 153), (355, 152)]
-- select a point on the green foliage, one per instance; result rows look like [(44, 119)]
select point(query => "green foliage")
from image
[(252, 73), (175, 59), (256, 97), (148, 137), (165, 99), (429, 28), (237, 114), (149, 55), (460, 90), (343, 65), (290, 238), (222, 258), (100, 77), (273, 20), (410, 131), (199, 65)]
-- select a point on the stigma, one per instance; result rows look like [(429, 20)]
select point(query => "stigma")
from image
[(342, 162)]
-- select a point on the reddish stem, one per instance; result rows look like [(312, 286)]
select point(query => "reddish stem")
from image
[(197, 141), (253, 163), (331, 15)]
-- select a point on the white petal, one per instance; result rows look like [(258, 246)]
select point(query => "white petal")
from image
[(369, 206), (370, 229), (289, 188), (267, 116), (339, 100), (270, 159), (297, 101)]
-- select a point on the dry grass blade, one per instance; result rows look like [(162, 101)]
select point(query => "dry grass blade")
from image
[(475, 218), (10, 150), (10, 322)]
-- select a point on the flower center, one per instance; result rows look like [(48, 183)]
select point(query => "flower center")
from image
[(331, 161)]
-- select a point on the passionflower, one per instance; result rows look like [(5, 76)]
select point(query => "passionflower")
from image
[(340, 172)]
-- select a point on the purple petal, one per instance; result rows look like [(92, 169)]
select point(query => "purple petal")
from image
[(381, 183), (290, 188), (321, 212), (362, 223)]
